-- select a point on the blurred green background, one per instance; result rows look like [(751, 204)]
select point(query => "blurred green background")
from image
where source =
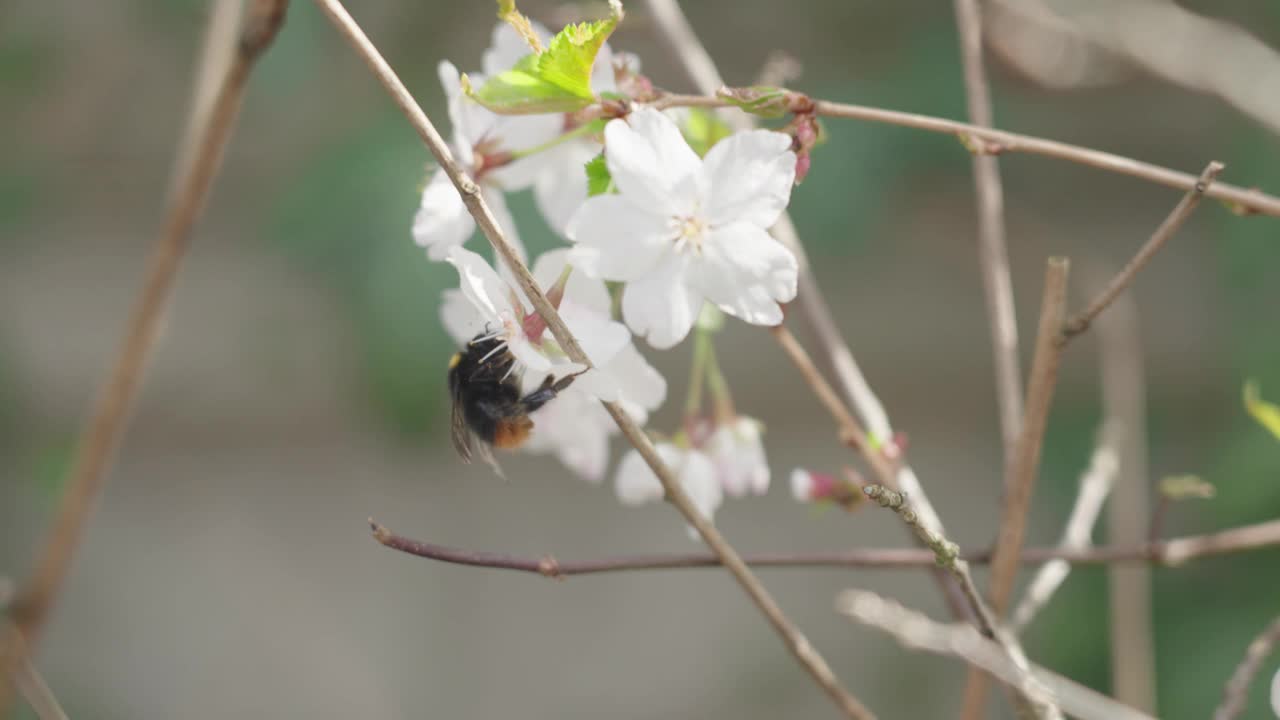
[(299, 387)]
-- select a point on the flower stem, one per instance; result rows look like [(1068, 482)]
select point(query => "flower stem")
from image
[(717, 385), (591, 128), (701, 354)]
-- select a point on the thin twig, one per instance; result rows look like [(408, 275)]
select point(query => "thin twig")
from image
[(1030, 700), (1026, 461), (109, 420), (37, 693), (1080, 322), (993, 251), (997, 287), (855, 436), (1166, 552), (799, 646), (1240, 200), (1095, 485), (918, 632), (1236, 693)]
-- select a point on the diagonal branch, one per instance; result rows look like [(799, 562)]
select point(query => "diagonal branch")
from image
[(1236, 692), (1095, 485), (993, 251), (1080, 321), (1026, 460), (799, 646), (917, 632), (110, 416)]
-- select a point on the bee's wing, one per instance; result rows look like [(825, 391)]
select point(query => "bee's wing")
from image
[(464, 441), (467, 443)]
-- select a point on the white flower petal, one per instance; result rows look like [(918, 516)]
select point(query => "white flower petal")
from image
[(561, 188), (471, 121), (582, 289), (442, 221), (801, 485), (576, 428), (660, 306), (617, 240), (522, 132), (749, 177), (636, 483), (597, 385), (530, 356), (737, 451), (602, 74), (698, 479), (482, 287), (461, 319), (652, 164), (638, 382), (746, 273), (600, 337), (1275, 694), (497, 203)]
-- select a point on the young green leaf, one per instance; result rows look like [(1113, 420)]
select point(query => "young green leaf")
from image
[(1264, 412), (598, 177), (555, 80)]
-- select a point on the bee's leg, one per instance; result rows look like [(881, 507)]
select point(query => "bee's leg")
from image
[(547, 390)]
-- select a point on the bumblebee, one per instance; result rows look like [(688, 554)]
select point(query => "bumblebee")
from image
[(488, 408)]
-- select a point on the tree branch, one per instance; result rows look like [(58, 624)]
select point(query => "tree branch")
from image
[(799, 646), (1242, 201), (1236, 693), (1022, 471), (1095, 485), (1165, 552), (1030, 699), (106, 426), (993, 252), (1080, 322)]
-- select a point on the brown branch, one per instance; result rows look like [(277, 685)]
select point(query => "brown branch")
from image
[(799, 646), (110, 416), (1236, 693), (993, 252), (1027, 697), (993, 259), (1166, 552), (1080, 322), (1026, 461), (1244, 201)]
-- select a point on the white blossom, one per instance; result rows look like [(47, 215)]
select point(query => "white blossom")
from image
[(637, 485), (684, 230), (737, 451)]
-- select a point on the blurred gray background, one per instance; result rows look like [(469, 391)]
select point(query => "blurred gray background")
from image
[(300, 385)]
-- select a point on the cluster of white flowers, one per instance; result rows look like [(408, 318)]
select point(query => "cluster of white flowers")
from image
[(675, 231)]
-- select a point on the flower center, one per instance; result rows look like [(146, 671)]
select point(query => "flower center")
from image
[(690, 232)]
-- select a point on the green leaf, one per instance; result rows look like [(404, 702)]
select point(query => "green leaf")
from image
[(556, 80), (1264, 412), (703, 129), (599, 180)]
